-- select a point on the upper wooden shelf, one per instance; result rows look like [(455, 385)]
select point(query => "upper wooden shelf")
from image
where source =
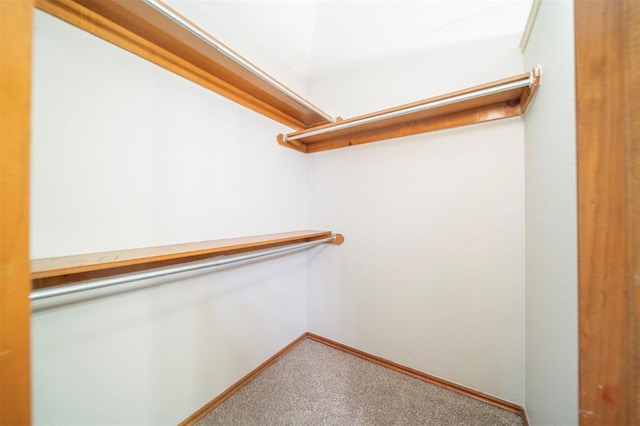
[(54, 271), (142, 29), (152, 30), (504, 98)]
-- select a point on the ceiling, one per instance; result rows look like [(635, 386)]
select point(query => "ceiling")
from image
[(315, 37)]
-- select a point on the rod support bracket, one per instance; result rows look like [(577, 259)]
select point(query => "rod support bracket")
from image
[(284, 141), (339, 239), (534, 76)]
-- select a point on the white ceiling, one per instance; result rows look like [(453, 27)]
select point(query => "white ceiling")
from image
[(314, 37)]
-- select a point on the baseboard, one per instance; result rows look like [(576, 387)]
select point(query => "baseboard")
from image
[(489, 399), (240, 383), (525, 418)]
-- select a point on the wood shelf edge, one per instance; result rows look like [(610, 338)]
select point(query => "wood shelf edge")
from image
[(127, 25), (295, 145), (49, 272), (510, 102), (464, 118)]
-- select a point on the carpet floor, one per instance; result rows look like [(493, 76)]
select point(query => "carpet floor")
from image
[(314, 384)]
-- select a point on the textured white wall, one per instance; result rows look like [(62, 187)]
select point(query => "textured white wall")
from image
[(551, 249), (432, 274), (432, 271), (126, 154)]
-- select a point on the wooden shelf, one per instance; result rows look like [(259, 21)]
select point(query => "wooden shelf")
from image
[(54, 271), (144, 31), (484, 107)]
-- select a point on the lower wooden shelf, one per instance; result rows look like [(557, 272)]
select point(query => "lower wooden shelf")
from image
[(49, 272)]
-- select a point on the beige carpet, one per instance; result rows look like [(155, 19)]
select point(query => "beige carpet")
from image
[(315, 384)]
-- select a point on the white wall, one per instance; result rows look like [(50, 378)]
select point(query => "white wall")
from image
[(432, 271), (551, 249), (126, 154)]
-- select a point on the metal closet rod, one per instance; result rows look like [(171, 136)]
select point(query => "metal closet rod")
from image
[(169, 13), (526, 82), (46, 293)]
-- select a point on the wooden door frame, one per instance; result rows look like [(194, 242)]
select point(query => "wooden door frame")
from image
[(15, 283), (606, 31), (607, 49)]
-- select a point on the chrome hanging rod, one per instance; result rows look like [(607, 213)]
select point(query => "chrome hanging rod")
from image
[(160, 272), (169, 13), (526, 82)]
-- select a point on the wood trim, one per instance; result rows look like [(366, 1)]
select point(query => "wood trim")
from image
[(195, 417), (55, 271), (488, 399), (631, 49), (607, 42), (408, 128), (15, 310), (492, 400), (491, 107), (140, 29)]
